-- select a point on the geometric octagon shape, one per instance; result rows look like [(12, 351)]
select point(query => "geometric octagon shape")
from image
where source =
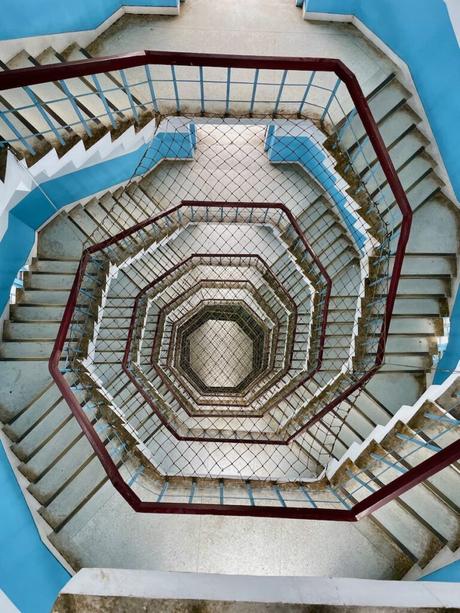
[(85, 312), (220, 354), (221, 348)]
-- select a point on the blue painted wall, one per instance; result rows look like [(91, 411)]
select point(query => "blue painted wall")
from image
[(305, 151), (451, 355), (450, 573), (33, 210), (30, 575), (22, 18), (421, 33)]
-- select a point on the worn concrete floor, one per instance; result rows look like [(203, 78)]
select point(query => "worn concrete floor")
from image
[(118, 537), (258, 27)]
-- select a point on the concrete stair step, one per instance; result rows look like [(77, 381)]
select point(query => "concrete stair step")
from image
[(391, 128), (314, 230), (410, 176), (398, 344), (424, 286), (342, 303), (115, 96), (84, 222), (117, 330), (22, 98), (417, 195), (45, 297), (46, 281), (419, 326), (92, 506), (64, 433), (415, 537), (361, 423), (118, 313), (446, 481), (60, 240), (395, 362), (89, 104), (340, 317), (412, 172), (43, 431), (103, 218), (18, 123), (344, 328), (26, 313), (348, 281), (316, 210), (426, 306), (19, 427), (382, 103), (63, 113), (26, 350), (56, 267), (125, 216), (83, 87), (443, 522), (21, 331), (74, 495), (21, 383), (409, 145), (371, 409), (426, 264), (346, 259), (64, 469), (413, 534), (394, 389)]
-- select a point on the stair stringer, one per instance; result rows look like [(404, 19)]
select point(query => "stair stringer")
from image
[(34, 45), (405, 77), (404, 415), (20, 180)]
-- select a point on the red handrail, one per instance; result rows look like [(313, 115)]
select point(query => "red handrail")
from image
[(70, 307), (227, 403), (241, 205), (31, 76)]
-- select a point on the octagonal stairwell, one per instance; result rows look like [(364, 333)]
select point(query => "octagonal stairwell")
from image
[(236, 232)]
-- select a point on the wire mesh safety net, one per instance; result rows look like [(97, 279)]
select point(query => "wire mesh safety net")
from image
[(233, 295), (212, 341)]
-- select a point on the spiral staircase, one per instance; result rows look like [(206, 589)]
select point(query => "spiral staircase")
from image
[(247, 326)]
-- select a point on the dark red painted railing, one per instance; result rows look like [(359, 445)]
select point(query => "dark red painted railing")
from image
[(43, 74), (325, 309), (228, 402)]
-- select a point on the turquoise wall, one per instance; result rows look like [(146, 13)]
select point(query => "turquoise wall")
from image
[(30, 575), (22, 18), (43, 202), (449, 573), (420, 32), (451, 355), (306, 152)]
